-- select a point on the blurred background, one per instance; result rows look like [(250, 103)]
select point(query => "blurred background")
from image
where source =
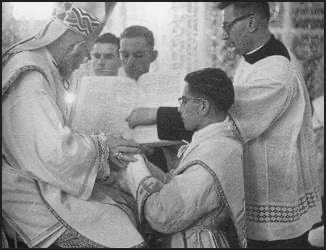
[(188, 34)]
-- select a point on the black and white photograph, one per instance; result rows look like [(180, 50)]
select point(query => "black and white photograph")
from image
[(162, 125)]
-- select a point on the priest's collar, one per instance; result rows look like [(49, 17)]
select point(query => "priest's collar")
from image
[(273, 47)]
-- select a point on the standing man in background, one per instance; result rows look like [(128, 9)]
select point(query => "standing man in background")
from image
[(104, 58), (105, 61), (105, 55), (137, 53), (137, 50)]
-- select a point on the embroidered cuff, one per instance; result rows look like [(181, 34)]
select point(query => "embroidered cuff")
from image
[(103, 171)]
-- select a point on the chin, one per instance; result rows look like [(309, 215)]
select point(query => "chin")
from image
[(101, 73), (135, 77), (187, 128)]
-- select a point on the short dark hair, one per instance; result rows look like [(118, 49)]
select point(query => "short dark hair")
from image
[(212, 84), (138, 31), (244, 8), (108, 38)]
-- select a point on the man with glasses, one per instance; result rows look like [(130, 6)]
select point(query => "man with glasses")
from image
[(273, 115), (200, 203)]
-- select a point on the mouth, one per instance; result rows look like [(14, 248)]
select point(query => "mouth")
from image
[(104, 70), (230, 46)]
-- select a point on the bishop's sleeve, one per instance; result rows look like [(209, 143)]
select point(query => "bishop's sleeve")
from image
[(38, 143)]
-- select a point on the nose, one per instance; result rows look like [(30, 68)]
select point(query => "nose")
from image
[(130, 60), (101, 60)]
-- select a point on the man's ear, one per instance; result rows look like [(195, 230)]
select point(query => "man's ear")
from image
[(154, 55), (252, 23), (205, 107)]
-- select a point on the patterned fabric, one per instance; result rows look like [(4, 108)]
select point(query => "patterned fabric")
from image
[(76, 19), (282, 214), (66, 16), (103, 154), (18, 73), (182, 149), (72, 239)]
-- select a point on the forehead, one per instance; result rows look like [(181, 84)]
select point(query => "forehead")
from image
[(105, 48), (133, 44), (228, 14), (186, 91)]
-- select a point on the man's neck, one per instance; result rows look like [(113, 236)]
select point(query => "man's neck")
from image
[(212, 119), (259, 41)]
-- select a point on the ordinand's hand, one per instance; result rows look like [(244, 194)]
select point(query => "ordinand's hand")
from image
[(147, 150), (142, 116), (128, 178), (122, 151), (133, 175)]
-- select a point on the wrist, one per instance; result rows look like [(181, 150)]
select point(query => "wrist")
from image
[(103, 170), (152, 115), (135, 173)]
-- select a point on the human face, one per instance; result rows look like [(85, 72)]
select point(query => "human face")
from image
[(189, 110), (235, 30), (136, 56), (105, 59), (73, 57)]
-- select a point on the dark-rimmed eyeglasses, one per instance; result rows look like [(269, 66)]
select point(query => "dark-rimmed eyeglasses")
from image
[(183, 99), (228, 26), (105, 56)]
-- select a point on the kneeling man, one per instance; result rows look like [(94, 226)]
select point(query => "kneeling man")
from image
[(200, 203)]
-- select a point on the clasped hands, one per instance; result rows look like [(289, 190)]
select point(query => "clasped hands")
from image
[(126, 162), (122, 151)]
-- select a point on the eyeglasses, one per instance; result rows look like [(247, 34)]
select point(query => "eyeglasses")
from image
[(183, 99), (105, 56), (228, 26)]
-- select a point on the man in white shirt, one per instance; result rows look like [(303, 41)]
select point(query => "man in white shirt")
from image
[(137, 53)]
